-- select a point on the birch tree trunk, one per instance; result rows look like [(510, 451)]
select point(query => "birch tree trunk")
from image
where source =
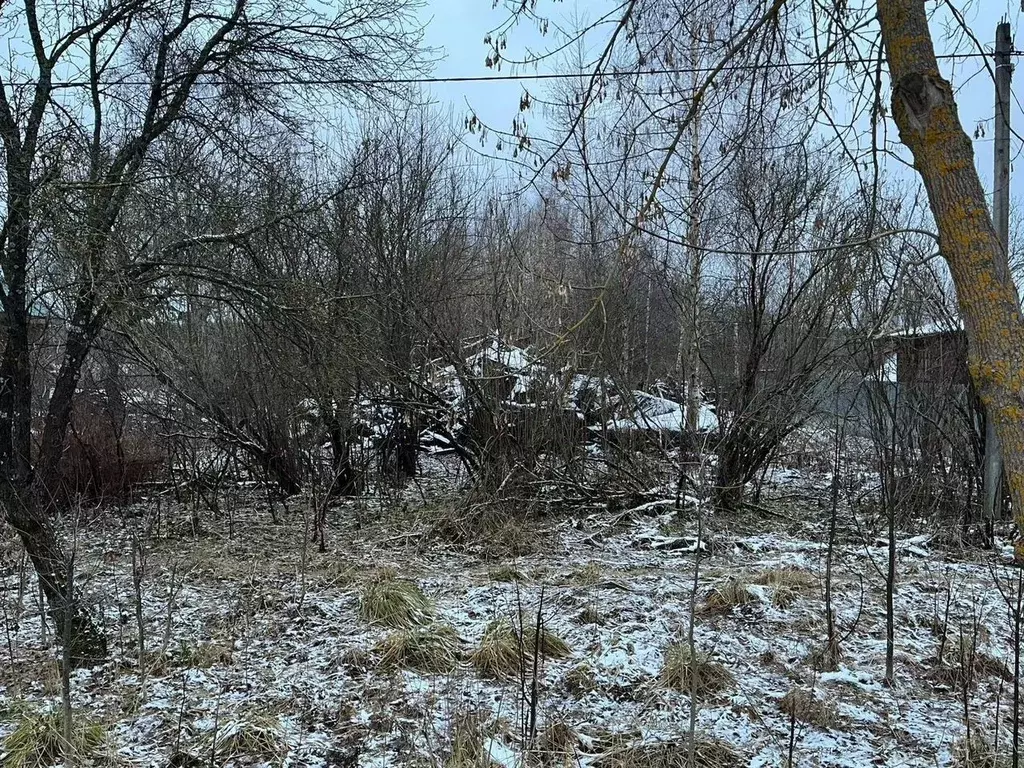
[(926, 114)]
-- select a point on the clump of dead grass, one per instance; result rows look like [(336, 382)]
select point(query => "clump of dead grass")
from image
[(38, 740), (590, 615), (506, 650), (558, 745), (394, 602), (804, 707), (467, 742), (696, 673), (255, 737), (723, 599), (587, 575), (787, 583), (433, 649), (580, 680), (978, 752), (965, 665), (507, 573), (708, 753)]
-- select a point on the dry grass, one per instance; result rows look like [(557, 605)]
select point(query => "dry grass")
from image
[(804, 707), (787, 583), (257, 738), (708, 753), (38, 740), (467, 742), (590, 615), (558, 746), (507, 573), (978, 752), (394, 602), (506, 652), (825, 657), (699, 675), (723, 599), (580, 680), (433, 649), (965, 665), (587, 575)]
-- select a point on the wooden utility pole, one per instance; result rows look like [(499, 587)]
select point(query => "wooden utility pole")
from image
[(993, 469)]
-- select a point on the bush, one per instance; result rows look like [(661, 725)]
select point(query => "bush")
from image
[(106, 458)]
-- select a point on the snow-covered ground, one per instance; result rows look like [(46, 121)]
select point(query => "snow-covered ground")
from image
[(255, 647)]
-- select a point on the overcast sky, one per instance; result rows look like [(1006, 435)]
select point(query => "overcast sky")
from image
[(457, 29)]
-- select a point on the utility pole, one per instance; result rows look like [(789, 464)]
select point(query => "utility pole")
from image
[(993, 470)]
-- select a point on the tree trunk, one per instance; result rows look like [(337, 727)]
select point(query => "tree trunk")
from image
[(86, 643), (929, 124), (81, 335)]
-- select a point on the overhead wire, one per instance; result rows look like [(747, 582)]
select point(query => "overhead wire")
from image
[(515, 77)]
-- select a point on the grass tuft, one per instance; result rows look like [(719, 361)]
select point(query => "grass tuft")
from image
[(507, 573), (708, 753), (787, 584), (394, 602), (38, 740), (966, 665), (700, 675), (732, 594), (590, 615), (433, 649), (467, 742), (978, 752), (804, 707), (258, 738), (558, 746), (587, 575), (505, 651)]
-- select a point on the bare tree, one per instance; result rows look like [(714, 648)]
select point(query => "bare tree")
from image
[(144, 71)]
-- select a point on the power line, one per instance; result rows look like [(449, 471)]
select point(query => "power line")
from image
[(538, 76)]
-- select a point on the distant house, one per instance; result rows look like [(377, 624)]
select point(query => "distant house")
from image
[(925, 372), (930, 358)]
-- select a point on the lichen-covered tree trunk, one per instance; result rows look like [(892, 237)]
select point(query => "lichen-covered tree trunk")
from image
[(926, 115)]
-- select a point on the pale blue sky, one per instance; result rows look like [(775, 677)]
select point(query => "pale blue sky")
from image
[(457, 27)]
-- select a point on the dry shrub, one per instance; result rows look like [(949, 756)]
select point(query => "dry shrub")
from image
[(506, 651), (394, 602), (38, 740), (499, 527), (732, 594), (978, 752), (699, 675), (787, 584), (708, 753), (106, 458), (433, 649), (804, 707)]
